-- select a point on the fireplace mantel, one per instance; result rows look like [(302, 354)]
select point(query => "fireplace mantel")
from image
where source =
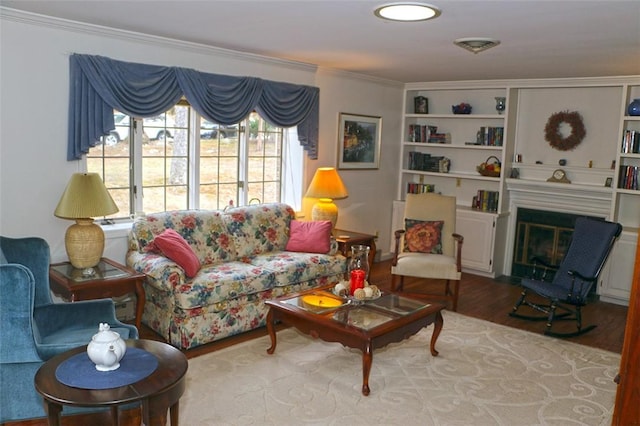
[(565, 197)]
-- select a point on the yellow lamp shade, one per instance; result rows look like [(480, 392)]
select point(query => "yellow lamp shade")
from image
[(327, 186)]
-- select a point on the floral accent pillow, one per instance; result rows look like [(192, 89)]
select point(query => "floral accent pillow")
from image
[(423, 236)]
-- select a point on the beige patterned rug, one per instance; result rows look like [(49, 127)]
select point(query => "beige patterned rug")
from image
[(486, 374)]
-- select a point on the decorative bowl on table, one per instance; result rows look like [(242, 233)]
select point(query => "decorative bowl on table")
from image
[(462, 108), (368, 292)]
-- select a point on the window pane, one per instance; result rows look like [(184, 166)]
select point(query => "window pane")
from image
[(152, 171), (272, 169), (122, 200), (218, 164), (209, 197), (153, 200), (176, 198), (255, 169), (110, 159)]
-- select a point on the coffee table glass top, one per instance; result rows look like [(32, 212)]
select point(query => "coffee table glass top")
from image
[(398, 304), (363, 315)]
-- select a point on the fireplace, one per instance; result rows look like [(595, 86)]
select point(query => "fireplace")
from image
[(542, 234), (543, 217)]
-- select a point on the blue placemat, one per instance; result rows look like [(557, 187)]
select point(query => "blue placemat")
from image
[(80, 372)]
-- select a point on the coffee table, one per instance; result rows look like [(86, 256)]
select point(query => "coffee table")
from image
[(364, 326), (159, 391)]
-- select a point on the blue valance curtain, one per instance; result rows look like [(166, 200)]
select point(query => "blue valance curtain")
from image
[(99, 85)]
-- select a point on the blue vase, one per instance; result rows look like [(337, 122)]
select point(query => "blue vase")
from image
[(634, 107)]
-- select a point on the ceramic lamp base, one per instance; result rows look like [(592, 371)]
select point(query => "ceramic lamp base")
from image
[(325, 209), (84, 242)]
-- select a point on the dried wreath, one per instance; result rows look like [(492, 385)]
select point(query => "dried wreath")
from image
[(552, 130)]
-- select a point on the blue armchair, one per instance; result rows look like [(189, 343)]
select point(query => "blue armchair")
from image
[(34, 329)]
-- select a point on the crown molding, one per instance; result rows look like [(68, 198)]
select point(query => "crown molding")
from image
[(528, 83), (91, 29), (360, 77)]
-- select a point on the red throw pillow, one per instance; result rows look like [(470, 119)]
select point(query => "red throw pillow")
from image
[(173, 246), (309, 237), (423, 236)]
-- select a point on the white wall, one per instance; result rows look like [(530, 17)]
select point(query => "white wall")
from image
[(34, 83)]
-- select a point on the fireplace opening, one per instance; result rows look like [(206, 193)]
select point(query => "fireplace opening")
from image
[(542, 234)]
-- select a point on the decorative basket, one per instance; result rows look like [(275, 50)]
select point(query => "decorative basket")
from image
[(484, 171)]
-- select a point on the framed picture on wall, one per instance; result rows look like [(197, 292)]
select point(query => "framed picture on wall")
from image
[(359, 139)]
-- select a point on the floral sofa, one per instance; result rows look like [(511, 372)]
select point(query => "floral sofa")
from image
[(243, 263)]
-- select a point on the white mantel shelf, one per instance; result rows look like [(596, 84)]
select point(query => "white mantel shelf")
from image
[(569, 197)]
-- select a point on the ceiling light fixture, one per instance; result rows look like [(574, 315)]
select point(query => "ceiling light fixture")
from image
[(476, 44), (407, 11)]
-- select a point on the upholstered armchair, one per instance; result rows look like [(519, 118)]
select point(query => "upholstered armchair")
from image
[(34, 329), (428, 247)]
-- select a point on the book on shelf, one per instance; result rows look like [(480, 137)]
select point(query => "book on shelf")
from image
[(631, 142), (421, 133), (427, 163), (442, 138), (628, 177), (420, 188), (485, 200), (490, 136)]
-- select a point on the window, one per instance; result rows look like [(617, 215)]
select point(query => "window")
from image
[(179, 160)]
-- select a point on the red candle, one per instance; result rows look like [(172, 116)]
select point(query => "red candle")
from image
[(357, 280)]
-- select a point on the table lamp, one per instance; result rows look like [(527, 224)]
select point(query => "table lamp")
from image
[(327, 186), (84, 198)]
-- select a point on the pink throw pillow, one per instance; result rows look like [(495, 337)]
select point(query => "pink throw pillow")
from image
[(309, 237), (176, 248)]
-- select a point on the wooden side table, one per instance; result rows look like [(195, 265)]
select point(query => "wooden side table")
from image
[(111, 279), (158, 392), (347, 239)]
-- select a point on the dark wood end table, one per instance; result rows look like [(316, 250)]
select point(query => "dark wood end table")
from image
[(366, 327), (347, 239), (111, 279), (158, 392)]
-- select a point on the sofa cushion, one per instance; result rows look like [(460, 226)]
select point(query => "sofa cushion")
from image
[(257, 229), (309, 237), (204, 230), (217, 283), (291, 268), (173, 246)]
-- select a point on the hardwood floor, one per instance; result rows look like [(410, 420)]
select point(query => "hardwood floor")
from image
[(492, 300), (480, 297)]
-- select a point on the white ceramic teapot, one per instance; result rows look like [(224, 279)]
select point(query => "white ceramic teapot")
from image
[(106, 349)]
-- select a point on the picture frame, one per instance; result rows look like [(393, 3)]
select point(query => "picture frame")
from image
[(608, 182), (420, 105), (359, 138)]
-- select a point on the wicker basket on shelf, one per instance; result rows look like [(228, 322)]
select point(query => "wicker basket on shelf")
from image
[(491, 167)]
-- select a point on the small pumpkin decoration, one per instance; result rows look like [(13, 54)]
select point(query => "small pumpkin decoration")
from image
[(552, 130)]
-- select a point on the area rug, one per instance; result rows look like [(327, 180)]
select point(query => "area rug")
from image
[(486, 374)]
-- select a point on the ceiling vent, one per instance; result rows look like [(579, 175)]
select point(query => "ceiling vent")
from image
[(476, 44)]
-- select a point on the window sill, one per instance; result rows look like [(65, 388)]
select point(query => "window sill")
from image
[(117, 230)]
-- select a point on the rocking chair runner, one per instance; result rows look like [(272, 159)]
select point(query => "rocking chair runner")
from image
[(590, 246)]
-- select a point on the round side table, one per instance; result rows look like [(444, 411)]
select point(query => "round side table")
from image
[(158, 392)]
